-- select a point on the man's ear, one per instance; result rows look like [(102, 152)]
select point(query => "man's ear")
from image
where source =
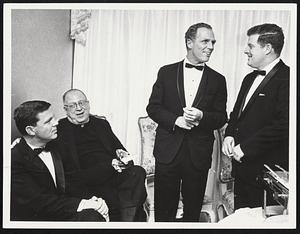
[(30, 130), (189, 43), (268, 48)]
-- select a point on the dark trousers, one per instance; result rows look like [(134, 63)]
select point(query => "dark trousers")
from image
[(88, 215), (124, 193), (168, 178), (249, 193)]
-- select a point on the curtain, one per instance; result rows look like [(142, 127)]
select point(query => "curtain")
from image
[(125, 48)]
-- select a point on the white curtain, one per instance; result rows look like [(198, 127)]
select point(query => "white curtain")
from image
[(125, 49)]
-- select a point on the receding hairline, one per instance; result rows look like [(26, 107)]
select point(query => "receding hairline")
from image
[(72, 91)]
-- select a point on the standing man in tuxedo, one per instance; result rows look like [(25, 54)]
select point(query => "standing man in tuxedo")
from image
[(37, 175), (258, 129), (92, 164), (188, 102)]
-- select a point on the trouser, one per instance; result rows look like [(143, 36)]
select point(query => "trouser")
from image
[(88, 215), (248, 193), (125, 194), (168, 178)]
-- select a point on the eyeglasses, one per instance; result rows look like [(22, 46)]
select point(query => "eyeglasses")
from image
[(73, 106)]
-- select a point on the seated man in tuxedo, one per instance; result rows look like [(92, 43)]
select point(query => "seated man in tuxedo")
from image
[(92, 161), (37, 175)]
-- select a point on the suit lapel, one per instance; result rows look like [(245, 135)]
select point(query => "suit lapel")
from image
[(201, 89), (33, 160), (180, 84), (59, 171), (261, 86)]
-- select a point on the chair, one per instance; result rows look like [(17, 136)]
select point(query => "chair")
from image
[(216, 190)]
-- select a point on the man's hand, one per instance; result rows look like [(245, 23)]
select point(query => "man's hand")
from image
[(192, 115), (182, 123), (94, 203), (238, 153), (118, 165), (228, 145)]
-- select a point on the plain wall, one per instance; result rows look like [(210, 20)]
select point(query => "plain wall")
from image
[(42, 54)]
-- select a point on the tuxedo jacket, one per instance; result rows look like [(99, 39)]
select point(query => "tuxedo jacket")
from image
[(78, 178), (262, 128), (166, 103), (34, 196)]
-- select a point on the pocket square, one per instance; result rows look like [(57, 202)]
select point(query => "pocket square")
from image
[(261, 94)]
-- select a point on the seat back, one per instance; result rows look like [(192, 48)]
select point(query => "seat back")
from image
[(147, 132)]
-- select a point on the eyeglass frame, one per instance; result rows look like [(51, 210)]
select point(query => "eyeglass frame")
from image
[(74, 105)]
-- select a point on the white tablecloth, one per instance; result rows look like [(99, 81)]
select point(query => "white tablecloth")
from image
[(253, 217)]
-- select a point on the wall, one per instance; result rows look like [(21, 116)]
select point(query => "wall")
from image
[(42, 54)]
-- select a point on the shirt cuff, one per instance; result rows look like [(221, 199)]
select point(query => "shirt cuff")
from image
[(81, 205), (238, 150)]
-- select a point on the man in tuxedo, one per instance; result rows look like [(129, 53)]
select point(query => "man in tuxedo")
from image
[(188, 102), (96, 162), (37, 175), (258, 129)]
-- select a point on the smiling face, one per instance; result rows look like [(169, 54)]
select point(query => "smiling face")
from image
[(256, 53), (77, 107), (200, 48), (45, 128)]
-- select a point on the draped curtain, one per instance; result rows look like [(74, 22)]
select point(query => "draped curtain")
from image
[(125, 48)]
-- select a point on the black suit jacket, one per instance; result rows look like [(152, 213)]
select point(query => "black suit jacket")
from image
[(262, 129), (166, 103), (34, 195), (77, 179)]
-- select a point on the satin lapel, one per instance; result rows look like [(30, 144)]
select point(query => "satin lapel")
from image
[(261, 86), (201, 89), (34, 161), (59, 171), (180, 84)]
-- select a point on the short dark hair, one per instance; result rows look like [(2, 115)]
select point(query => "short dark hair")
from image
[(26, 114), (192, 31), (269, 33), (71, 90)]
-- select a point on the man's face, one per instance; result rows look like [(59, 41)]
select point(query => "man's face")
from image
[(77, 107), (255, 52), (202, 46), (45, 129)]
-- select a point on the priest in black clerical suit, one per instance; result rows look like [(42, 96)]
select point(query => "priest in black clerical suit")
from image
[(188, 102), (90, 149), (258, 129)]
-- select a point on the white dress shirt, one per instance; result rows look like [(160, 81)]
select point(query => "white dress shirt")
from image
[(191, 78), (46, 157), (259, 79)]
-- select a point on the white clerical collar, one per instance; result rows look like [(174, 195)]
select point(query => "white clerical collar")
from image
[(270, 66)]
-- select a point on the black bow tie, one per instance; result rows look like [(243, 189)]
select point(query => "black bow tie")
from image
[(259, 72), (37, 151), (188, 65)]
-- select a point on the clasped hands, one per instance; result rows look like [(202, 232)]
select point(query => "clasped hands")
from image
[(124, 160), (95, 203), (191, 117), (230, 150)]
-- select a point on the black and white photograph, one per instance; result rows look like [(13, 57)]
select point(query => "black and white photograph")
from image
[(152, 116)]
